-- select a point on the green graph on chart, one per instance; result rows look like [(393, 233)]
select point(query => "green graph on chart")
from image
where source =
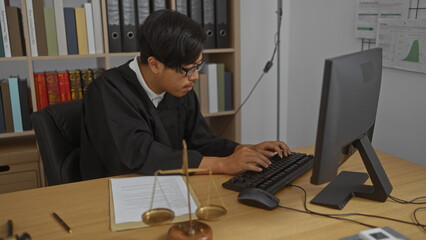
[(413, 55)]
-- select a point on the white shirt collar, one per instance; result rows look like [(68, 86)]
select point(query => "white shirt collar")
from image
[(155, 98)]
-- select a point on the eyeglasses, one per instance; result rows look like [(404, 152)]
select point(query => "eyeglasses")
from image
[(191, 70)]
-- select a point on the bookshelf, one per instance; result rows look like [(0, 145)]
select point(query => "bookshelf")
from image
[(28, 65)]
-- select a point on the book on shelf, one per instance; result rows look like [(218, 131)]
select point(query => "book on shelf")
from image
[(24, 100), (211, 70), (75, 85), (58, 6), (221, 11), (31, 27), (229, 88), (71, 31), (158, 5), (196, 11), (204, 93), (196, 88), (16, 31), (7, 106), (97, 25), (64, 86), (143, 10), (52, 84), (114, 28), (221, 87), (2, 123), (182, 6), (80, 23), (51, 36), (128, 26), (5, 30), (15, 104), (1, 43), (97, 72), (216, 88), (41, 90), (89, 28), (209, 23), (40, 27), (86, 78)]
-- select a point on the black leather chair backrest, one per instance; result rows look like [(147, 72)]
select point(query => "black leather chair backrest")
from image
[(57, 129)]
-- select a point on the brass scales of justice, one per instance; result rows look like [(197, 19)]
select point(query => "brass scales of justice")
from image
[(191, 229)]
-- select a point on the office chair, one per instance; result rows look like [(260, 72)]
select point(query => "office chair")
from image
[(57, 130)]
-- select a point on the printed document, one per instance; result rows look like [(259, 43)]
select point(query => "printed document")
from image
[(132, 196), (368, 12), (403, 43)]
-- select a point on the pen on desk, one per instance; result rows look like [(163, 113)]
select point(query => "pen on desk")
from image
[(62, 222), (9, 228)]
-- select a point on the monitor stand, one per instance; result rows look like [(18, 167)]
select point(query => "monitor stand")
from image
[(349, 184)]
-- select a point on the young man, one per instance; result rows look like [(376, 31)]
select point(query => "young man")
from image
[(136, 115)]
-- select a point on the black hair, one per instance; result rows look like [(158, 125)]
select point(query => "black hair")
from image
[(171, 37)]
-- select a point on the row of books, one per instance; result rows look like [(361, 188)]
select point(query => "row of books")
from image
[(125, 16), (214, 88), (212, 15), (12, 42), (15, 105), (52, 30), (55, 87)]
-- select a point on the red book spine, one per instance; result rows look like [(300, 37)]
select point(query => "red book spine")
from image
[(41, 90), (53, 93), (64, 86)]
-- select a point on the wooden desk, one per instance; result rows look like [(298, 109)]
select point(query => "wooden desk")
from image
[(85, 207)]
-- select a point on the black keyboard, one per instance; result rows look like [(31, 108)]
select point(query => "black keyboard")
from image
[(280, 173)]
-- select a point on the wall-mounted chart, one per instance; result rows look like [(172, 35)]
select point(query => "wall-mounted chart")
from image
[(403, 43)]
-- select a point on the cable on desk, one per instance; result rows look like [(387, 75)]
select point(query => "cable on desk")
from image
[(413, 201), (422, 227), (321, 214), (339, 216)]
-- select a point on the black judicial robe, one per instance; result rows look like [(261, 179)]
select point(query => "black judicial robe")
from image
[(123, 132)]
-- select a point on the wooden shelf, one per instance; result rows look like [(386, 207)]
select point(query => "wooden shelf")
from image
[(61, 57), (229, 56), (11, 59), (16, 135)]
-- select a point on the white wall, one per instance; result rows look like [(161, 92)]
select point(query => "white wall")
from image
[(313, 31), (258, 26)]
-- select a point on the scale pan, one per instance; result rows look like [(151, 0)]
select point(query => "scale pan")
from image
[(158, 216), (210, 212)]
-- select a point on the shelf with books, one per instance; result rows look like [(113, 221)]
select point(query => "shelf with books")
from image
[(230, 56), (13, 59), (27, 66), (219, 50), (100, 55)]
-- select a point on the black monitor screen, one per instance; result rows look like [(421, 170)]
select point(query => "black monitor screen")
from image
[(349, 100)]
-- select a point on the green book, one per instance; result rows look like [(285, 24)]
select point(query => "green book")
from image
[(51, 37), (1, 44), (221, 87)]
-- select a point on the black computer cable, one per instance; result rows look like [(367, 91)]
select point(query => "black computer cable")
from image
[(340, 216), (413, 201), (422, 227), (306, 210), (268, 66)]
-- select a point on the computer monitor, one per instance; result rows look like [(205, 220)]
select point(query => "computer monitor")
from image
[(349, 99)]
